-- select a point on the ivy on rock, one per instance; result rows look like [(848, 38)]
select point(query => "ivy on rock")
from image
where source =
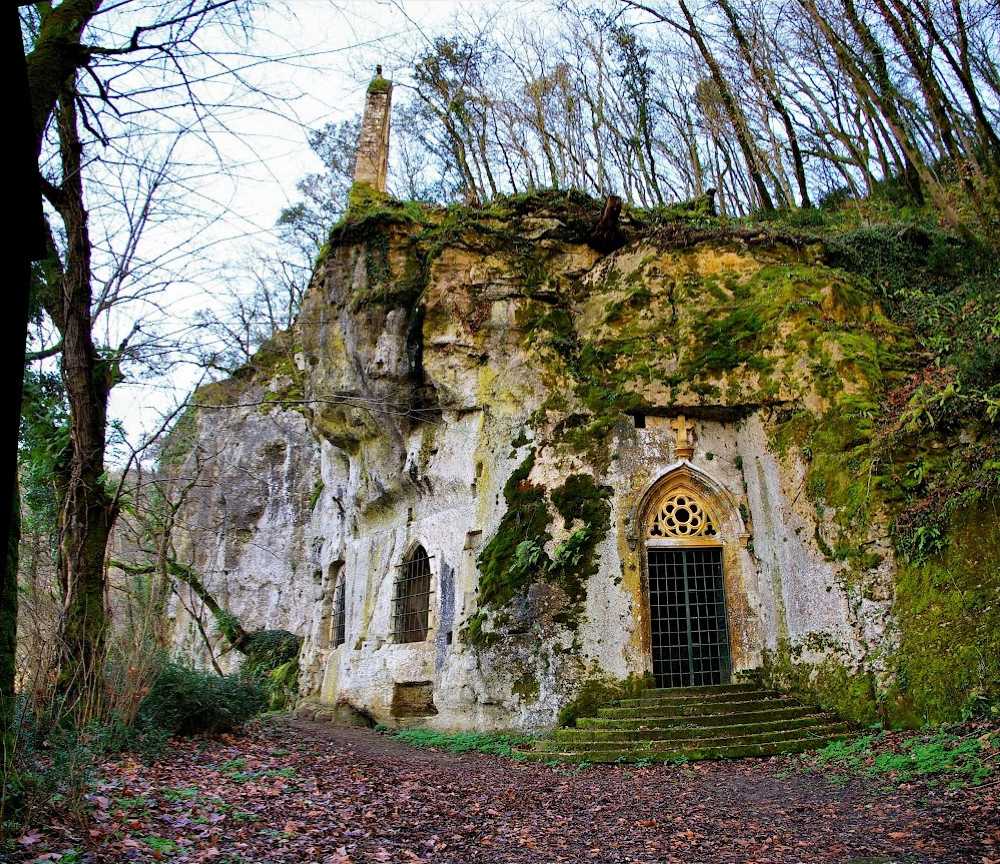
[(516, 557)]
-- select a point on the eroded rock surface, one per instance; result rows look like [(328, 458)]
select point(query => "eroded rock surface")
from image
[(488, 386)]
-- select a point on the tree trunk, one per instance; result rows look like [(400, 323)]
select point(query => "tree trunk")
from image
[(883, 94), (8, 650), (773, 93), (87, 510), (228, 624)]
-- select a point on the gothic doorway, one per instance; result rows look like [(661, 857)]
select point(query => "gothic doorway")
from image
[(686, 590)]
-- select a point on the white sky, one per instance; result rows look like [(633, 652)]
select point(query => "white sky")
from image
[(340, 42)]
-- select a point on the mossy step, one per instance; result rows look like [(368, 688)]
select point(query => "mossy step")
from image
[(773, 736), (676, 732), (696, 708), (739, 751), (696, 699), (706, 689), (763, 715)]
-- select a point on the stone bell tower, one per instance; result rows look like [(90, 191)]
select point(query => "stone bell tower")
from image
[(372, 159)]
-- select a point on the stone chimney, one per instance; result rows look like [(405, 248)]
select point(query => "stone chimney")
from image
[(372, 159)]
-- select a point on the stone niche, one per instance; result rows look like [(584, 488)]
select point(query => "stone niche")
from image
[(413, 699)]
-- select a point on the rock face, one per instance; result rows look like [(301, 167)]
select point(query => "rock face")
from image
[(249, 523), (550, 424)]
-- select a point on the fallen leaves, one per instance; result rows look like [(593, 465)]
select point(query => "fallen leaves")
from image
[(310, 793)]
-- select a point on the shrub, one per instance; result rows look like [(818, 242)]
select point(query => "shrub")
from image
[(953, 754), (186, 701), (272, 664)]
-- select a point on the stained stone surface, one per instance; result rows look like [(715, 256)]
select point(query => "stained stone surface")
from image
[(388, 419)]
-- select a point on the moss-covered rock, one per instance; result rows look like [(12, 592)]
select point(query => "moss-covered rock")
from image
[(867, 356)]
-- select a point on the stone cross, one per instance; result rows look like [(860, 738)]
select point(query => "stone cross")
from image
[(684, 443), (371, 165)]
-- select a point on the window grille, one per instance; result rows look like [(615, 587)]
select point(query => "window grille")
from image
[(339, 623), (411, 604), (687, 604)]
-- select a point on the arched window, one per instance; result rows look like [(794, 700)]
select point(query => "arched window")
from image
[(334, 606), (338, 621), (411, 605)]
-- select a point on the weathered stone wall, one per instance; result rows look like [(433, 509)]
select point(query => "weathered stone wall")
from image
[(433, 361), (371, 165)]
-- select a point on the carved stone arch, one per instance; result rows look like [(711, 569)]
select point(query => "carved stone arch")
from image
[(411, 596), (712, 517), (412, 549)]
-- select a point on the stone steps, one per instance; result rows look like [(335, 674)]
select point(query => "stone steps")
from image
[(670, 743), (698, 709), (804, 724), (761, 715), (716, 722), (695, 699)]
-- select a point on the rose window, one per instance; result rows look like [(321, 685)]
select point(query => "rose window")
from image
[(681, 515)]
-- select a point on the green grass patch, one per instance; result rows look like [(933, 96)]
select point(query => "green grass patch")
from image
[(185, 793), (493, 743), (163, 845), (953, 756)]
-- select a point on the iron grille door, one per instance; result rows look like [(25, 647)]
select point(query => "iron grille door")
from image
[(687, 605)]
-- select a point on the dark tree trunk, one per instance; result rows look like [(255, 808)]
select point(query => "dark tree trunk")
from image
[(28, 242), (914, 172), (767, 82), (87, 509)]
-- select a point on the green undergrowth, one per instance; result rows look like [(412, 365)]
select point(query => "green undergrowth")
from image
[(187, 701), (952, 756), (492, 743)]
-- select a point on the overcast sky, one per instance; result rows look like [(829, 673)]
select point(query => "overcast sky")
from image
[(336, 45)]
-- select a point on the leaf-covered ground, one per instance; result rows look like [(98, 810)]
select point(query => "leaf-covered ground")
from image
[(301, 792)]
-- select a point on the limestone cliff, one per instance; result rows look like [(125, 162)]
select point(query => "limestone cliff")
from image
[(488, 384)]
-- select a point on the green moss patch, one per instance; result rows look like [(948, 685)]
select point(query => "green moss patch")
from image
[(597, 691), (831, 684), (949, 619), (491, 743), (515, 555)]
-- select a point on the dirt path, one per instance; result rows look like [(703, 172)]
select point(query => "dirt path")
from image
[(306, 792)]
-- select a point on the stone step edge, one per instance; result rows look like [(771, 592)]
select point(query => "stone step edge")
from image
[(772, 737), (819, 719), (706, 708), (733, 752), (702, 688), (586, 736), (696, 698), (696, 719)]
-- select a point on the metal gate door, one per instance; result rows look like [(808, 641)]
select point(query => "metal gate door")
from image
[(687, 606)]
